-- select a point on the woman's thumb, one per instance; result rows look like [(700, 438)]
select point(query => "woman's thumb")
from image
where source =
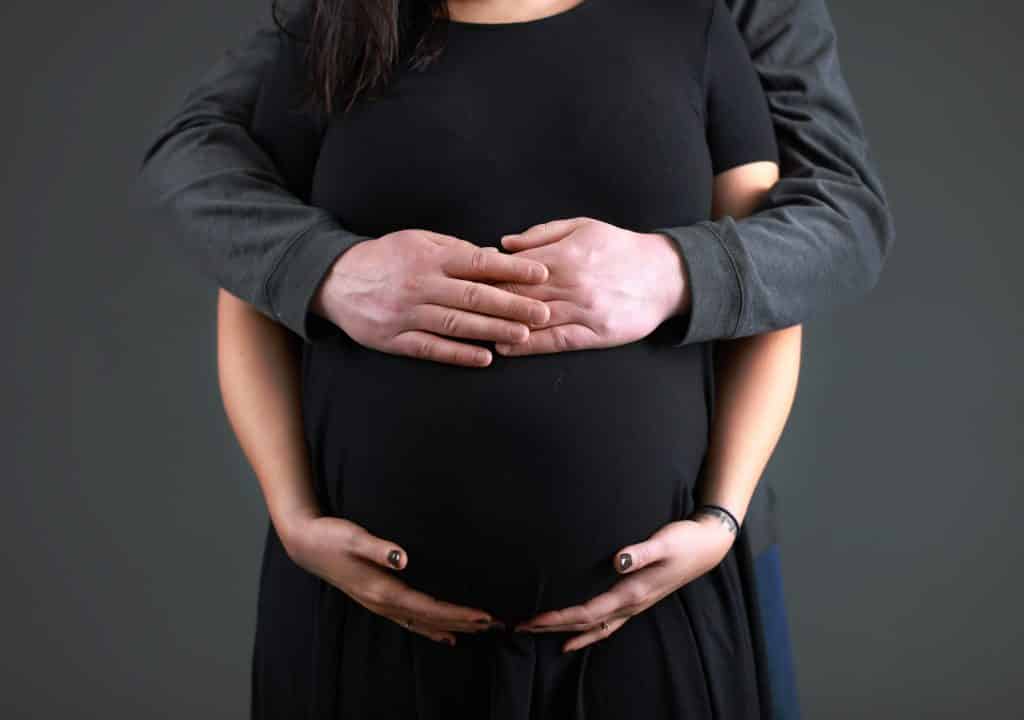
[(379, 551)]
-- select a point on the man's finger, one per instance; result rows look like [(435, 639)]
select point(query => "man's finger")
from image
[(486, 299), (427, 346), (471, 262), (441, 238), (541, 234), (555, 339)]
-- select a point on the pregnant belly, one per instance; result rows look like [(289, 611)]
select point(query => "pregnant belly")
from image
[(510, 486)]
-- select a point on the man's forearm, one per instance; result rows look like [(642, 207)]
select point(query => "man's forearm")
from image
[(229, 206), (822, 235)]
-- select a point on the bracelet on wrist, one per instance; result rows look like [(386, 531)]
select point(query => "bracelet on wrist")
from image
[(723, 514)]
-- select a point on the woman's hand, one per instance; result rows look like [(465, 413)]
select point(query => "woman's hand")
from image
[(673, 556), (357, 563)]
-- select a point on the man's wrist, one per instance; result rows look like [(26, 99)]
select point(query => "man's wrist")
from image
[(295, 288), (673, 284), (713, 283)]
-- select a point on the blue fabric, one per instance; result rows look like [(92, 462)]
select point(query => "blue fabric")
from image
[(772, 605)]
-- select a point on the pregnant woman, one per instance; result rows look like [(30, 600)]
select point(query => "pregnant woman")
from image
[(602, 114)]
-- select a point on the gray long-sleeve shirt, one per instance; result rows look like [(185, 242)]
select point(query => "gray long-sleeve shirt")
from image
[(819, 240)]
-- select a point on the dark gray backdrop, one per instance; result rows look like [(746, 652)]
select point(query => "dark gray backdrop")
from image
[(131, 555)]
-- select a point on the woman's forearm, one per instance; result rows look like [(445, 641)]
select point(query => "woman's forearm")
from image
[(258, 365), (755, 384)]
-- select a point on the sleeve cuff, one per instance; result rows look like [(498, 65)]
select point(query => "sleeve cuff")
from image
[(293, 283), (716, 296)]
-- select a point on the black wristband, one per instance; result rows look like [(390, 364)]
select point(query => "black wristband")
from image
[(719, 510)]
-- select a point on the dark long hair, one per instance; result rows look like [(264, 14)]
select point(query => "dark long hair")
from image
[(352, 47)]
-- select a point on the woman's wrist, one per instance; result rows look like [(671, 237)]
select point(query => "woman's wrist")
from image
[(293, 528), (718, 519), (721, 513)]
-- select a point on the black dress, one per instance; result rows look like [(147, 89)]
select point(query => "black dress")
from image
[(512, 486)]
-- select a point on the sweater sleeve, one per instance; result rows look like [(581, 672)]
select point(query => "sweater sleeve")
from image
[(230, 208), (824, 231)]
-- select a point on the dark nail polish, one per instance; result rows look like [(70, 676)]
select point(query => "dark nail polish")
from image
[(625, 562), (484, 621), (395, 557)]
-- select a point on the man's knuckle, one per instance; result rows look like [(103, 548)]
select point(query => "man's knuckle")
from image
[(450, 322), (422, 348), (471, 295), (562, 338), (411, 283), (478, 260)]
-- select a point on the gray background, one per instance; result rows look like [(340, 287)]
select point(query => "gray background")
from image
[(131, 554)]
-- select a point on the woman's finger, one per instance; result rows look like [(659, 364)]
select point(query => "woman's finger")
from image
[(598, 632), (388, 596), (623, 596), (630, 595), (379, 551), (403, 601), (635, 557), (423, 629), (541, 234)]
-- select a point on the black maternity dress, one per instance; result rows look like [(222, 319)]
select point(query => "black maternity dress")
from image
[(512, 486)]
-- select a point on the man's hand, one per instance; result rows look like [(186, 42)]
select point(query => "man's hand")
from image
[(401, 292), (608, 286), (673, 556), (363, 566)]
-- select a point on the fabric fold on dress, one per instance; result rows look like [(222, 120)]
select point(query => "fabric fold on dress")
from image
[(512, 673)]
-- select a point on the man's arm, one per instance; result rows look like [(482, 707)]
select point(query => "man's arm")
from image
[(229, 205), (822, 235), (820, 239)]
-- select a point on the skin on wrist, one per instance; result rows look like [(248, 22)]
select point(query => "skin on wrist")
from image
[(674, 281), (292, 528), (713, 522), (316, 303)]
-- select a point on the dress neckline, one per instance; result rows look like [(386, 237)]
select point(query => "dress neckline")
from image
[(579, 8)]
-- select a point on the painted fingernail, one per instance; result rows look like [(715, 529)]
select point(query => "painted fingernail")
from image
[(484, 620), (395, 557), (450, 641), (625, 562)]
